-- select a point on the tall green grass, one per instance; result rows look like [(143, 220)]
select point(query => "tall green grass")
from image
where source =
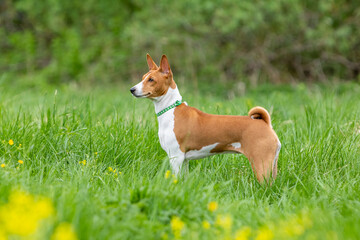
[(316, 194)]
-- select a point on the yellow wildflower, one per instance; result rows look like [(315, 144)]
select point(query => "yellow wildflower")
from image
[(212, 206), (110, 169), (83, 162), (20, 197), (175, 181), (64, 232), (296, 225), (3, 165), (293, 230), (96, 153), (167, 174), (224, 221), (264, 234), (3, 235), (243, 233), (21, 161), (11, 142), (177, 226), (24, 209), (206, 224), (44, 207)]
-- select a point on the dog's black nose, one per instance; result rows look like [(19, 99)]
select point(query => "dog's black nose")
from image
[(132, 90)]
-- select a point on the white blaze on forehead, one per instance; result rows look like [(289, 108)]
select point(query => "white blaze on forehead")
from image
[(147, 75), (236, 145)]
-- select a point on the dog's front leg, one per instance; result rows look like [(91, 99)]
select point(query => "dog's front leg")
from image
[(176, 162), (185, 168)]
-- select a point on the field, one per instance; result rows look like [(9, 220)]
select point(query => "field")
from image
[(86, 163)]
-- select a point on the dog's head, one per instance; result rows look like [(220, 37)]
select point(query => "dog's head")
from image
[(156, 82)]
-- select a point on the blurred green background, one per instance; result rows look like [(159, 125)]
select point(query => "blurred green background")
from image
[(229, 41)]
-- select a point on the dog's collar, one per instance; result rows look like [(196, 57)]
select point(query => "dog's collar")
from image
[(177, 103)]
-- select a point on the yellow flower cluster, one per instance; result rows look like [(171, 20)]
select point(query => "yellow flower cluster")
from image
[(83, 162), (212, 206), (295, 225), (23, 216), (24, 209), (292, 227), (206, 225), (224, 221), (11, 143), (64, 232), (264, 233), (3, 165), (243, 233), (167, 176), (177, 226), (110, 169)]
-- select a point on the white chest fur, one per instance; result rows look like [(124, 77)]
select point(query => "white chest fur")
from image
[(167, 121), (166, 133)]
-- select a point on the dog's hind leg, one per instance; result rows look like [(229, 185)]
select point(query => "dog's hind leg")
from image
[(263, 159), (275, 162)]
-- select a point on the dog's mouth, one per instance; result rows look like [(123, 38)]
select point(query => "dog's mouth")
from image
[(141, 96)]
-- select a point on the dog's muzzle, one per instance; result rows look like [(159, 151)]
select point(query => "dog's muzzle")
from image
[(132, 90)]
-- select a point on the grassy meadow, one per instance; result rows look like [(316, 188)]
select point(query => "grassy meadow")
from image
[(86, 163)]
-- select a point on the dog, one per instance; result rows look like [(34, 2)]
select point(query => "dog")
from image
[(187, 133)]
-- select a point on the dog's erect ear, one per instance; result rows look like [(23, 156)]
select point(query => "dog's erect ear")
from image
[(152, 65), (164, 65)]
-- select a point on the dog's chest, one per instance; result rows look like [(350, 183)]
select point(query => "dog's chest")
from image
[(166, 133)]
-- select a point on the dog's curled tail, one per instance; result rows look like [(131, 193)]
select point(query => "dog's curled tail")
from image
[(260, 113)]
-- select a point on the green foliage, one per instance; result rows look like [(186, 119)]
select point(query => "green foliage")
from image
[(227, 41), (315, 196)]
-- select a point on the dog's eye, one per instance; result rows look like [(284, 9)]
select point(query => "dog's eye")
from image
[(150, 80)]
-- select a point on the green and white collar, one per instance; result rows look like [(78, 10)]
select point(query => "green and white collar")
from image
[(177, 103)]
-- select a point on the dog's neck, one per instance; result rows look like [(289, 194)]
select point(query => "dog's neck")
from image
[(170, 97)]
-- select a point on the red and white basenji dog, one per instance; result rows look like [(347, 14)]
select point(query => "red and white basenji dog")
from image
[(186, 133)]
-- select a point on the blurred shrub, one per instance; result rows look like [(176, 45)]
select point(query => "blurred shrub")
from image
[(212, 41)]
